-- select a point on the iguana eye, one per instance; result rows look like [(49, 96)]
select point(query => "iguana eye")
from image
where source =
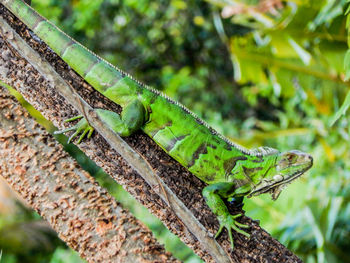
[(291, 157)]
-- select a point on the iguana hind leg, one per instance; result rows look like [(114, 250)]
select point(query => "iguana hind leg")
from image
[(213, 195), (131, 119)]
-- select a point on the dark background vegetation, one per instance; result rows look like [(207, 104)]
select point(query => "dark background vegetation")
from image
[(263, 72)]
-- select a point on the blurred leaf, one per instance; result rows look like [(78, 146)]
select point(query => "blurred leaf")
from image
[(310, 216), (329, 11), (333, 214), (321, 106), (342, 109), (303, 54), (29, 241), (281, 46), (347, 65), (328, 150), (65, 256)]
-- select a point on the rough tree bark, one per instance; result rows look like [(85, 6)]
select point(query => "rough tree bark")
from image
[(84, 215), (17, 72)]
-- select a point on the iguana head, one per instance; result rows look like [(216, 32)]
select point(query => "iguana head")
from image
[(287, 167)]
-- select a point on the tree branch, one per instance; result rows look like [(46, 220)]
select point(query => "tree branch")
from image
[(84, 215), (37, 90), (134, 159)]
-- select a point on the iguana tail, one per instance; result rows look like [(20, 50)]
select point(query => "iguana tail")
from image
[(97, 72)]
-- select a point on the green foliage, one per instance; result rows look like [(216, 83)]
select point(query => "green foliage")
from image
[(346, 102), (345, 105), (65, 256), (261, 74), (326, 231), (25, 237), (294, 63)]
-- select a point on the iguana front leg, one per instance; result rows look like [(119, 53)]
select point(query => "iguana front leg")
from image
[(213, 196), (131, 119)]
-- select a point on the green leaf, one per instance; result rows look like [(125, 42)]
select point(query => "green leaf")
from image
[(347, 9), (285, 79), (65, 255), (347, 65), (250, 71), (333, 214), (310, 214), (303, 54), (342, 109), (329, 11), (281, 46)]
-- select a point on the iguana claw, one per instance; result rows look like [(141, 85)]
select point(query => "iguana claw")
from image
[(82, 127), (229, 222)]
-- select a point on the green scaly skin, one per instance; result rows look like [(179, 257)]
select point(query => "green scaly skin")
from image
[(229, 170)]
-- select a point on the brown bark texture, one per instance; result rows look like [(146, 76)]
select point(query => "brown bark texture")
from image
[(17, 72), (84, 215)]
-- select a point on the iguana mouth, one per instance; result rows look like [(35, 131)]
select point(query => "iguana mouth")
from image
[(276, 188)]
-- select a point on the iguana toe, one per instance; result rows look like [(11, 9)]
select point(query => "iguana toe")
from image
[(229, 222), (82, 128)]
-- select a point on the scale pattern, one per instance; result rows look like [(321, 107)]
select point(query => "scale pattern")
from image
[(183, 135)]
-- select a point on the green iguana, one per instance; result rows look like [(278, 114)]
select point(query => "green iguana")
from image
[(230, 170)]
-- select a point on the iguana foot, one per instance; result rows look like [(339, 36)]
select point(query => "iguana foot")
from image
[(82, 127), (229, 222)]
